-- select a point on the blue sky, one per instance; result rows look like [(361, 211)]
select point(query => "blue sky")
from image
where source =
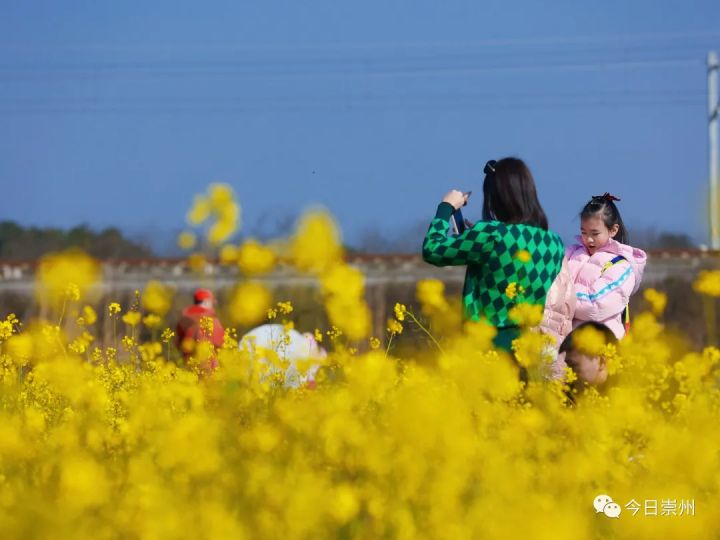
[(117, 114)]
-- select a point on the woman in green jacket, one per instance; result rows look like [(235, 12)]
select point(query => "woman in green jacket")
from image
[(512, 244)]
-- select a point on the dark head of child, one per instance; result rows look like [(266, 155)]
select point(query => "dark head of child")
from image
[(509, 194), (590, 368)]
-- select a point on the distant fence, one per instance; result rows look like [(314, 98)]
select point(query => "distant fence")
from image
[(389, 278), (379, 270)]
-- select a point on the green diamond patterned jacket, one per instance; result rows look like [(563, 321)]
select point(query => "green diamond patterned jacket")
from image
[(496, 254)]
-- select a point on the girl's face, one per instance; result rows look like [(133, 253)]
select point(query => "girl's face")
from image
[(595, 234)]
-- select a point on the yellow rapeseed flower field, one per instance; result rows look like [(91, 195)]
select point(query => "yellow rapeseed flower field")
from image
[(104, 443)]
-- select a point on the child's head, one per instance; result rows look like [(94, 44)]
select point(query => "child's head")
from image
[(590, 369), (509, 194), (600, 221)]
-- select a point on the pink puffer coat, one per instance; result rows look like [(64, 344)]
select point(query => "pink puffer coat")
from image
[(602, 289), (559, 306)]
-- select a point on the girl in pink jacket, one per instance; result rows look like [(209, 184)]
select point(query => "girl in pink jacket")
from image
[(605, 270)]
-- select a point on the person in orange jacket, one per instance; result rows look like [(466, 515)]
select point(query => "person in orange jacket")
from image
[(199, 323)]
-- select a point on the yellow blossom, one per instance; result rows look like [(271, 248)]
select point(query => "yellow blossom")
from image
[(67, 275), (81, 343), (394, 326), (526, 315), (285, 307), (343, 281), (220, 231), (114, 308), (334, 333), (249, 303), (523, 256), (167, 335), (228, 254), (708, 283), (400, 311), (374, 343), (220, 196), (569, 375), (200, 210), (132, 318), (345, 504), (589, 341), (186, 240), (431, 295), (207, 324), (88, 316), (530, 349), (128, 343), (197, 262), (9, 326), (254, 259), (20, 348), (316, 246), (72, 292), (656, 299), (6, 330), (157, 298), (152, 321), (351, 316)]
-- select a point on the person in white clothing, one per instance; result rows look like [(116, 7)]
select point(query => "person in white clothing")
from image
[(276, 347)]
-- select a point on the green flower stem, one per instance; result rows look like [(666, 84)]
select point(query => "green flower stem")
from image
[(435, 341)]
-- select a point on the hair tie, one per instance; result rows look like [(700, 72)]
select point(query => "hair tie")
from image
[(606, 197), (490, 167)]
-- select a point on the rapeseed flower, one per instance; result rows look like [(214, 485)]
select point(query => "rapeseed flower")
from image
[(66, 275), (526, 315), (394, 326), (431, 295), (228, 254), (523, 256), (200, 210), (423, 444), (152, 321), (708, 283), (254, 259), (316, 246), (157, 298), (656, 299), (513, 290), (88, 316), (132, 318), (186, 240), (249, 303)]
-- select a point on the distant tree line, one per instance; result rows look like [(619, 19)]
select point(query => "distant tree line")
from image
[(29, 243)]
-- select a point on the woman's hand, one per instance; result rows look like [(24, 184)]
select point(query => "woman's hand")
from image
[(456, 198)]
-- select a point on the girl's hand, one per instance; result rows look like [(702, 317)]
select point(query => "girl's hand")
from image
[(456, 198)]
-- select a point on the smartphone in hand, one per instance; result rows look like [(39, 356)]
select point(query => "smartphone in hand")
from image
[(457, 222)]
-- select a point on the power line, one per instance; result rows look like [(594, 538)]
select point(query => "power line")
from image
[(180, 71), (265, 47), (347, 107)]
